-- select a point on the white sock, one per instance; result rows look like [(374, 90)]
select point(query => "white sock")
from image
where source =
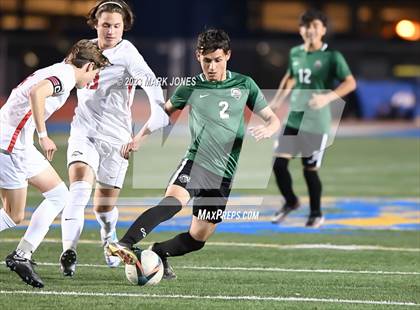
[(108, 221), (5, 220), (73, 216), (55, 201)]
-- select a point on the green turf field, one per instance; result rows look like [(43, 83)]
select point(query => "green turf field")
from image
[(332, 270), (250, 272)]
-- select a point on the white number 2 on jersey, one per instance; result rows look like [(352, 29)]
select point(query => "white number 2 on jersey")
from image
[(305, 76), (224, 105)]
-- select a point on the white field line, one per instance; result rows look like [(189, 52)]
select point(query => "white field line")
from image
[(326, 246), (216, 297), (262, 269)]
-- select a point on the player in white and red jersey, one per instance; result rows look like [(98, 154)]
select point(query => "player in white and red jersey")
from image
[(102, 126), (29, 105)]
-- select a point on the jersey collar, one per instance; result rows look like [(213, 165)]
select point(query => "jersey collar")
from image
[(323, 48), (228, 76)]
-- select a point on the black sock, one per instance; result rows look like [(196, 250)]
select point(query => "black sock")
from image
[(179, 245), (144, 224), (284, 180), (314, 188)]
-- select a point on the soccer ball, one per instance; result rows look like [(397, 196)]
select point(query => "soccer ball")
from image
[(147, 271)]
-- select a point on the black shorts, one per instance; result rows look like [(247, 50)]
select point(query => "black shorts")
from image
[(310, 146), (209, 190)]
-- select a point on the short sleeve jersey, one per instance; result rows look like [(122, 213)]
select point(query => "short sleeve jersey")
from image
[(314, 72), (216, 119), (104, 106), (16, 123)]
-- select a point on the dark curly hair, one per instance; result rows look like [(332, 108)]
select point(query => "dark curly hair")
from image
[(213, 39)]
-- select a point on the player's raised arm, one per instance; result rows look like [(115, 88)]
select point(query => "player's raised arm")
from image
[(37, 97), (272, 124), (139, 69), (285, 87)]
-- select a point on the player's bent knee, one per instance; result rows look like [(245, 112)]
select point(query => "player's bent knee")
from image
[(202, 232), (59, 195), (17, 217), (281, 163), (310, 168), (171, 202), (194, 243), (80, 171)]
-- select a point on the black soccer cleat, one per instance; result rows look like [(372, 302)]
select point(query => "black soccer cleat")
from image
[(168, 271), (24, 268), (281, 214), (315, 221), (68, 261)]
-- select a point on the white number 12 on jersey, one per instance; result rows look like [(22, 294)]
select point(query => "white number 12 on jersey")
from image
[(224, 105), (305, 76)]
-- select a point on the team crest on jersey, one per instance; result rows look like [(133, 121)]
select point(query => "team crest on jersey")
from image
[(318, 64), (184, 178), (236, 93)]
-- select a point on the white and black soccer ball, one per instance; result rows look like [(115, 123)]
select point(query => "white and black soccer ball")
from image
[(147, 271)]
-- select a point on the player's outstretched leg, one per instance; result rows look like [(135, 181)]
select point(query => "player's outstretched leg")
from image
[(42, 218), (56, 197), (144, 224)]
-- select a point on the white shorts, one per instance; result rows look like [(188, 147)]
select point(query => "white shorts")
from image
[(103, 157), (19, 166)]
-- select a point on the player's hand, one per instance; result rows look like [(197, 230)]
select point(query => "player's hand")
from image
[(126, 149), (48, 146), (319, 101), (260, 132)]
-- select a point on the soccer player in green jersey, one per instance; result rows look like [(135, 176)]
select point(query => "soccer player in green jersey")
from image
[(217, 100), (313, 68)]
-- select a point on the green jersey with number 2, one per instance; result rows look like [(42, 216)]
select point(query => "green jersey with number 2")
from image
[(217, 120)]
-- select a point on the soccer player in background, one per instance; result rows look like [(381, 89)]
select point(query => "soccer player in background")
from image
[(101, 126), (30, 104), (312, 70), (217, 100)]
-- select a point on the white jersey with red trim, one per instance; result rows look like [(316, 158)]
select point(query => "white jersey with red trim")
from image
[(104, 107), (16, 123)]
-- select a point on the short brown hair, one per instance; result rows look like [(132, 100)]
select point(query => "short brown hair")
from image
[(111, 6), (86, 51)]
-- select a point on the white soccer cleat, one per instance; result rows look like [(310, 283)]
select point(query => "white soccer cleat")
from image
[(111, 261), (123, 252)]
